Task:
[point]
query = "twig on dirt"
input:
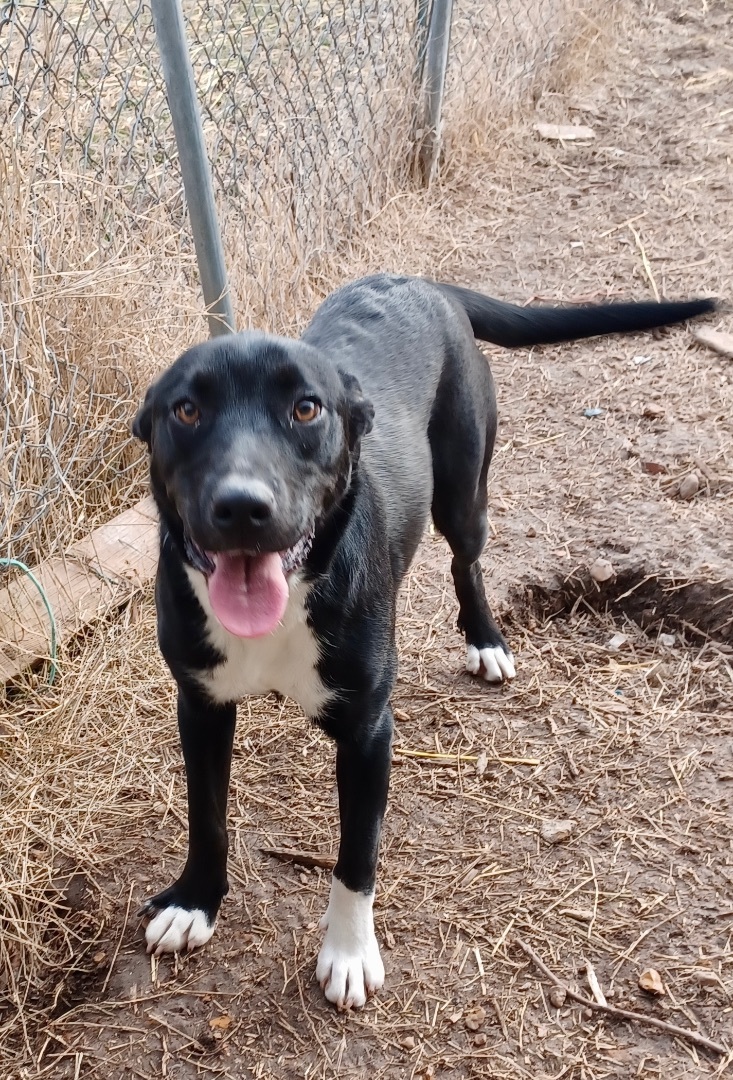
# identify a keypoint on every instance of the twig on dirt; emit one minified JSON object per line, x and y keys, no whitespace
{"x":703,"y":468}
{"x":500,"y":1017}
{"x":122,"y":1003}
{"x":453,"y":759}
{"x":595,"y":986}
{"x":622,"y":225}
{"x":480,"y":966}
{"x":624,"y":1014}
{"x":626,"y":955}
{"x":119,"y":940}
{"x":645,"y":262}
{"x":574,"y":770}
{"x":301,"y":858}
{"x":191,"y":1040}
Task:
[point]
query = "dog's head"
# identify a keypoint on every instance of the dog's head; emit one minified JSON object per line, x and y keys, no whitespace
{"x":252,"y":442}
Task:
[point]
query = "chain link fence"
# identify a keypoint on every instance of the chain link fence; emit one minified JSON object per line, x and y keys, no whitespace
{"x":312,"y":118}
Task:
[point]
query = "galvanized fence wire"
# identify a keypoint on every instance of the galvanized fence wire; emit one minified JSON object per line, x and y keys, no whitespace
{"x":299,"y":104}
{"x":508,"y":52}
{"x":311,"y":114}
{"x":287,"y":91}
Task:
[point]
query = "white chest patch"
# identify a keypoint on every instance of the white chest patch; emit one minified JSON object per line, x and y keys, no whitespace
{"x":285,"y":661}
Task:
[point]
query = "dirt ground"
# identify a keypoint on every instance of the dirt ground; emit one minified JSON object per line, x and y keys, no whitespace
{"x":620,"y":719}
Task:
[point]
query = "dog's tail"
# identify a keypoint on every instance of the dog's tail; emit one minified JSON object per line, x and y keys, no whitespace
{"x":512,"y":326}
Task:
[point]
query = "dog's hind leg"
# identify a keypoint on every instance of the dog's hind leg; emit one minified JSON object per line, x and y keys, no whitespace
{"x":487,"y":653}
{"x":462,"y":434}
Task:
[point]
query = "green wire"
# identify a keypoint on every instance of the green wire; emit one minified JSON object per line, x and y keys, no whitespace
{"x":16,"y":564}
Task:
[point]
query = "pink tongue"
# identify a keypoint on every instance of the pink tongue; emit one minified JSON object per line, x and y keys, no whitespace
{"x":248,"y":593}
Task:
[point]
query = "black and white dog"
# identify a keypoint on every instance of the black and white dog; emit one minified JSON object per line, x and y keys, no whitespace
{"x":294,"y":481}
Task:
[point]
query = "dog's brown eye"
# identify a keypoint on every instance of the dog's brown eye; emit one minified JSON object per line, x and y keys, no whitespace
{"x":187,"y":413}
{"x":306,"y":410}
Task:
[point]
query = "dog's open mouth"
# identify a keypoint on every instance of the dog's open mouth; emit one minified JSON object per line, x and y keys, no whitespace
{"x":249,"y":591}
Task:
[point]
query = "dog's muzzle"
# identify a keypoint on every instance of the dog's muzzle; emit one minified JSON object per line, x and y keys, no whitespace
{"x":292,"y":558}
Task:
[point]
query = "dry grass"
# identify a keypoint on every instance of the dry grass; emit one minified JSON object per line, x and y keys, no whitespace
{"x":546,"y":49}
{"x":635,"y":746}
{"x":99,"y":281}
{"x":81,"y":336}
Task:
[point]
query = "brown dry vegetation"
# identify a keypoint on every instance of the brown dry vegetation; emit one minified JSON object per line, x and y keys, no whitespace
{"x":634,"y":744}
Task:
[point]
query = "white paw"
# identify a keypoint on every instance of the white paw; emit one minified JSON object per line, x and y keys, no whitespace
{"x":493,"y":664}
{"x":349,"y":966}
{"x":176,"y":929}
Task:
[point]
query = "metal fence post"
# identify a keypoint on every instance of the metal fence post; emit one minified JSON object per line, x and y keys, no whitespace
{"x":436,"y":64}
{"x":181,"y":90}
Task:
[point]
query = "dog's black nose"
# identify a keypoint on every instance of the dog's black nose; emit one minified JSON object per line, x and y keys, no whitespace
{"x":243,"y":505}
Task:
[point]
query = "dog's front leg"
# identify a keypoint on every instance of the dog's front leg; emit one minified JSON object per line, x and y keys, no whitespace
{"x":183,"y":916}
{"x":349,"y":964}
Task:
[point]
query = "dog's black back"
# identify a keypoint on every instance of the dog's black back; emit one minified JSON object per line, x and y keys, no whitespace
{"x":386,"y":332}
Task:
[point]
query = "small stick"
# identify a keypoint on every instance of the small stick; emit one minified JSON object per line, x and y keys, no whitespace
{"x":623,"y":225}
{"x":119,"y":943}
{"x":500,"y":1017}
{"x":645,"y":262}
{"x":594,"y":984}
{"x":624,"y":1014}
{"x":452,"y":759}
{"x":301,"y":858}
{"x":191,"y":1040}
{"x":480,"y":965}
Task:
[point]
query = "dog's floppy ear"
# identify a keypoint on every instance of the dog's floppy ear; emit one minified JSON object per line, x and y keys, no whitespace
{"x":142,"y":425}
{"x":360,"y":409}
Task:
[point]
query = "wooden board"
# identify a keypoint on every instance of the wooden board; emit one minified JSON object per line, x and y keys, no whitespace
{"x":564,"y":132}
{"x":95,"y":576}
{"x":714,"y":339}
